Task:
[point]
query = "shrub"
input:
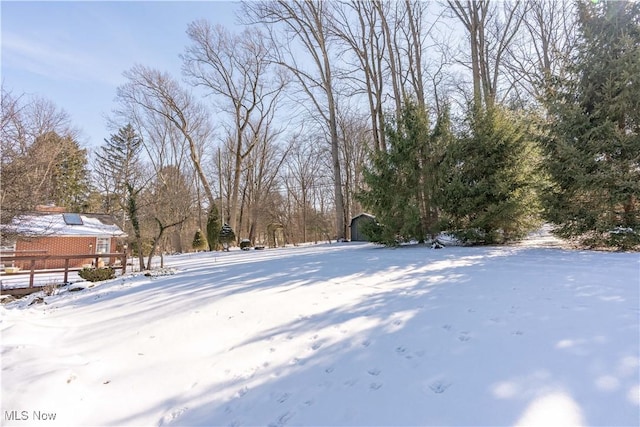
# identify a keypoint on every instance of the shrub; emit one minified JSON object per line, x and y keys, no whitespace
{"x":199,"y":241}
{"x":245,"y":244}
{"x":97,"y":274}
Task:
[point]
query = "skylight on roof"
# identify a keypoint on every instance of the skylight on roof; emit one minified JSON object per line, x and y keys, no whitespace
{"x":72,"y":219}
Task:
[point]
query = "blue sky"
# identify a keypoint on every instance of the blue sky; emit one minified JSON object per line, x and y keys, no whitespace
{"x":74,"y":53}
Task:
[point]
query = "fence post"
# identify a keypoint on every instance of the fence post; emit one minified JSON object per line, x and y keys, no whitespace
{"x":32,"y":273}
{"x":66,"y":270}
{"x":123,"y":261}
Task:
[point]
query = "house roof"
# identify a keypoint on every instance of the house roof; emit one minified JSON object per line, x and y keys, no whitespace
{"x":366,"y":215}
{"x":67,"y":225}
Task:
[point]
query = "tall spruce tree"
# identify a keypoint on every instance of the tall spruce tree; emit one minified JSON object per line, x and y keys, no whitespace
{"x":593,"y":147}
{"x":490,"y":194}
{"x":402,"y":183}
{"x":70,"y":176}
{"x":118,"y":166}
{"x":213,"y":227}
{"x":60,"y":166}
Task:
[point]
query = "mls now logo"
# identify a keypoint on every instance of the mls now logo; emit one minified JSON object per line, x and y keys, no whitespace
{"x":26,"y":415}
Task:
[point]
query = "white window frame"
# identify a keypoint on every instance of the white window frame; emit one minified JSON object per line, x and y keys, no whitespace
{"x":103,"y":245}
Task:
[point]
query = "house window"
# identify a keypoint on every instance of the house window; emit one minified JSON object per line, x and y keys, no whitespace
{"x":103,"y":245}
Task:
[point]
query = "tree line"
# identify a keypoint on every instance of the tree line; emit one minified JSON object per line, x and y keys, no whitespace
{"x":481,"y":118}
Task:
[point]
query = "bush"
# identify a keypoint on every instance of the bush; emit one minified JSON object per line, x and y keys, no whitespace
{"x":199,"y":242}
{"x":97,"y":274}
{"x":245,"y":244}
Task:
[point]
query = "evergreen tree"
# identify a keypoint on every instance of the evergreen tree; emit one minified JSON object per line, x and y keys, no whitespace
{"x":199,"y":242}
{"x":402,"y":183}
{"x":70,"y":176}
{"x":593,"y":146}
{"x":60,"y":166}
{"x":226,"y":235}
{"x":117,"y":167}
{"x":492,"y":175}
{"x":213,"y":227}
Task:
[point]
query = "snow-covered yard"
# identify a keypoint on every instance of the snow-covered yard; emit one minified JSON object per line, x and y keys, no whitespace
{"x":343,"y":334}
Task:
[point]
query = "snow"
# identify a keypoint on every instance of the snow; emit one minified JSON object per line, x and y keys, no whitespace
{"x":332,"y":335}
{"x":54,"y":224}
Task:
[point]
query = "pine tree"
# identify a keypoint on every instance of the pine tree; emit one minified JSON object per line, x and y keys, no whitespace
{"x":226,"y":235}
{"x":70,"y":177}
{"x":199,"y":242}
{"x":593,"y":147}
{"x":118,"y":167}
{"x":402,"y":183}
{"x":213,"y":227}
{"x":61,"y":167}
{"x":490,"y":192}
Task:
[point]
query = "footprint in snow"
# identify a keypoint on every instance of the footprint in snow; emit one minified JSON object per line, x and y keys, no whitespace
{"x":517,"y":333}
{"x":464,"y":336}
{"x":351,"y":382}
{"x":366,"y":343}
{"x":447,"y":327}
{"x":282,"y":420}
{"x":283,"y":397}
{"x":242,"y":392}
{"x":439,"y":387}
{"x":401,"y":350}
{"x":375,"y":372}
{"x":169,"y":418}
{"x":375,"y":386}
{"x":316,"y":345}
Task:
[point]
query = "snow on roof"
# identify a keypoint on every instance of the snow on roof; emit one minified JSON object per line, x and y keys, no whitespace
{"x":54,"y":224}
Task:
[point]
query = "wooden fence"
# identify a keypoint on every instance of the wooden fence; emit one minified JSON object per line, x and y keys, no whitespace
{"x":31,"y":260}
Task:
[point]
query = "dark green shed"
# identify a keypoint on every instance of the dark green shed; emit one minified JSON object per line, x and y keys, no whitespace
{"x":356,"y":224}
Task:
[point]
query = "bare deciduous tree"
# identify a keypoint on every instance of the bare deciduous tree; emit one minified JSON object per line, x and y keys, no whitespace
{"x":309,"y":23}
{"x":35,"y":135}
{"x":490,"y":29}
{"x":357,"y":24}
{"x":235,"y":69}
{"x":543,"y":50}
{"x":151,"y":96}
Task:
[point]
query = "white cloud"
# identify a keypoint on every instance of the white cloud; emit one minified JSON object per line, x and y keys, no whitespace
{"x":57,"y":60}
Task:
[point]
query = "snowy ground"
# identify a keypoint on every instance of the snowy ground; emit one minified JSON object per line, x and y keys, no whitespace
{"x":336,"y":335}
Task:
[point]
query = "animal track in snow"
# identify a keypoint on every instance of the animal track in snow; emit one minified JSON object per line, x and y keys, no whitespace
{"x":375,"y":386}
{"x":283,"y":397}
{"x":401,"y":350}
{"x":439,"y":387}
{"x":351,"y":382}
{"x":446,"y":327}
{"x":242,"y":391}
{"x":375,"y":372}
{"x":169,"y":418}
{"x":464,"y":336}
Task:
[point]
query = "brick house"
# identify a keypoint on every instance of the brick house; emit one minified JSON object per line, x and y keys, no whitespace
{"x":63,"y":233}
